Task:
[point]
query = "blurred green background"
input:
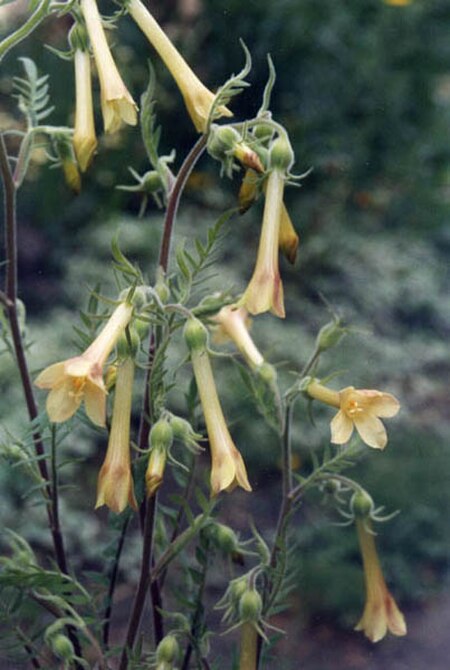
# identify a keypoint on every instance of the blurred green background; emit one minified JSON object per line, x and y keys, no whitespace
{"x":363,"y":88}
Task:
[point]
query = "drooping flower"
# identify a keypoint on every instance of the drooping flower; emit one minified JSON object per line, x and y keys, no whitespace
{"x":360,"y":409}
{"x":288,"y":239}
{"x":197,"y":98}
{"x":380,"y":612}
{"x":265,"y":290}
{"x":81,"y":377}
{"x":117,"y":104}
{"x":233,"y":323}
{"x":228,"y":468}
{"x":84,"y":138}
{"x":115,"y":482}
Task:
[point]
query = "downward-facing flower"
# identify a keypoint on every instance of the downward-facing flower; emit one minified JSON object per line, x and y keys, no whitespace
{"x":81,"y":378}
{"x":265,"y":290}
{"x":115,"y":482}
{"x":84,"y":138}
{"x":233,"y":323}
{"x":360,"y":409}
{"x":380,"y":612}
{"x":198,"y":99}
{"x":288,"y":239}
{"x":228,"y":468}
{"x":117,"y":104}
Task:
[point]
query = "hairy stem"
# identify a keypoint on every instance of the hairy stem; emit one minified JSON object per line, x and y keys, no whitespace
{"x":25,"y":29}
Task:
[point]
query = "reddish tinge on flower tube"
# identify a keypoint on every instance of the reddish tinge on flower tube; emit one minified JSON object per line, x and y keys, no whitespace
{"x":265,"y":291}
{"x":115,"y":483}
{"x":81,"y":377}
{"x":380,"y":612}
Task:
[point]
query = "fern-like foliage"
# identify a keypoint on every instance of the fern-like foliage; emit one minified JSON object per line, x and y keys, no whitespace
{"x":31,"y":92}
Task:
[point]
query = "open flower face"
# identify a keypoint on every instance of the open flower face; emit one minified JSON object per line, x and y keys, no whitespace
{"x":362,"y":409}
{"x":117,"y":104}
{"x":380,"y":612}
{"x":265,"y":290}
{"x":198,"y":99}
{"x":81,"y":378}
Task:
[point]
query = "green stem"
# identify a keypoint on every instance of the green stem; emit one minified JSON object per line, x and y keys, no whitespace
{"x":25,"y":29}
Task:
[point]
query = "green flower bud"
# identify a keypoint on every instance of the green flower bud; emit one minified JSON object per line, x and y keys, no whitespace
{"x":139,"y":298}
{"x":161,"y":435}
{"x":62,"y":647}
{"x":222,"y":141}
{"x":263,"y":132}
{"x":281,"y":154}
{"x":162,"y":290}
{"x":167,"y":650}
{"x":141,"y":328}
{"x":330,"y":335}
{"x":237,"y":589}
{"x":151,"y":182}
{"x":195,"y":335}
{"x":225,"y":538}
{"x":362,"y":504}
{"x":250,"y":606}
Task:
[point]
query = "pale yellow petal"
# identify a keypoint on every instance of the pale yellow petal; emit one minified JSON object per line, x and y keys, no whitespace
{"x":62,"y":402}
{"x":95,"y":403}
{"x":78,"y":367}
{"x":371,"y":430}
{"x":51,"y":376}
{"x":385,"y":405}
{"x":396,"y":620}
{"x":223,"y":474}
{"x":241,"y":472}
{"x":341,"y":428}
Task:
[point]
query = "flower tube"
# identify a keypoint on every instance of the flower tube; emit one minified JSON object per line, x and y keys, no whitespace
{"x":233,"y":323}
{"x":116,"y":101}
{"x":81,"y":377}
{"x":360,"y":409}
{"x":84,"y":138}
{"x":380,"y":612}
{"x":228,"y":468}
{"x":115,"y":483}
{"x":198,"y":99}
{"x":265,"y":290}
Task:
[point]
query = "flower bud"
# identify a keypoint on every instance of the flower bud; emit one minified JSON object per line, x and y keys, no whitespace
{"x":195,"y":335}
{"x":362,"y":504}
{"x":222,"y":141}
{"x":330,"y":335}
{"x":225,"y":538}
{"x":281,"y":154}
{"x":250,"y":606}
{"x":263,"y":132}
{"x":162,"y":290}
{"x":167,"y":650}
{"x":155,"y":471}
{"x":161,"y":435}
{"x":152,"y":182}
{"x":62,"y":647}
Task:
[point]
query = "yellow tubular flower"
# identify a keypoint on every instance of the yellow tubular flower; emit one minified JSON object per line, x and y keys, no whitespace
{"x":234,"y":324}
{"x":155,"y":471}
{"x":228,"y":468}
{"x":265,"y":290}
{"x":380,"y":612}
{"x":360,"y":409}
{"x":197,"y":98}
{"x":116,"y":101}
{"x":115,"y":483}
{"x":81,"y":378}
{"x":84,"y":138}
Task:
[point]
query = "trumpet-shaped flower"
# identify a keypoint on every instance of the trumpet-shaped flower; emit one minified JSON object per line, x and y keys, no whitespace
{"x":265,"y":290}
{"x":84,"y":138}
{"x":115,"y":483}
{"x":380,"y":612}
{"x":81,"y":378}
{"x":288,"y":239}
{"x":198,"y":99}
{"x":116,"y":101}
{"x":233,"y":323}
{"x":228,"y":468}
{"x":360,"y":409}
